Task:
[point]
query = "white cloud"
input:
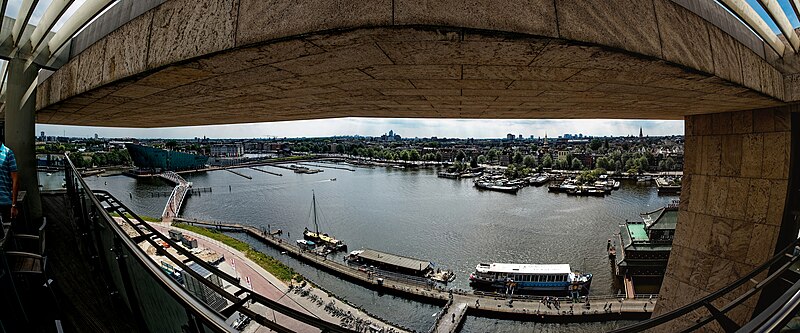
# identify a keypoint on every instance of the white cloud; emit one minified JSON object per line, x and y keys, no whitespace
{"x":462,"y":128}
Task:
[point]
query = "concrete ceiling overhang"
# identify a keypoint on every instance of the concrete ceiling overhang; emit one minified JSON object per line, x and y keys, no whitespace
{"x":140,"y":77}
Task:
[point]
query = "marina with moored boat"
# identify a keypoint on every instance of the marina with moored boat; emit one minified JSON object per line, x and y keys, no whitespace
{"x":322,"y":243}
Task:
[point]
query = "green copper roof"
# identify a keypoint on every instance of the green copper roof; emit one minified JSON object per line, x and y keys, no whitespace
{"x":637,"y":232}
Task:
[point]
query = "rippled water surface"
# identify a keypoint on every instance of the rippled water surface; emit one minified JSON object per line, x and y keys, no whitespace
{"x":412,"y":213}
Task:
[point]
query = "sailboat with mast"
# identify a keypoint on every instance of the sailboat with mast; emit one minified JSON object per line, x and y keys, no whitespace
{"x":322,"y":238}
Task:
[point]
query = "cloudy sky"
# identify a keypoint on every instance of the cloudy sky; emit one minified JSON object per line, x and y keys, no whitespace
{"x":462,"y":128}
{"x":377,"y":126}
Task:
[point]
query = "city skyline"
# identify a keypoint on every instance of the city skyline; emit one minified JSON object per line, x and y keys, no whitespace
{"x":405,"y":127}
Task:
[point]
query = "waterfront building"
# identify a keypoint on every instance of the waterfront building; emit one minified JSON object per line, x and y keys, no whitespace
{"x":150,"y":158}
{"x":227,"y":150}
{"x":646,"y":244}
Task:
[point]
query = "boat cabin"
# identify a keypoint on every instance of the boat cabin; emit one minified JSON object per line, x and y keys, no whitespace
{"x":392,"y":262}
{"x":524,"y":272}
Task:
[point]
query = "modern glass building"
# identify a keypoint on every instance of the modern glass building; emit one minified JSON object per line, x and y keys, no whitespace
{"x":145,"y":157}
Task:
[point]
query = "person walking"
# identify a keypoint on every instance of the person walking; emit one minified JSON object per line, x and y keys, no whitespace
{"x":9,"y":186}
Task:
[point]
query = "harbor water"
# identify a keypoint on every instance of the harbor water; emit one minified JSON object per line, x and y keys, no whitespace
{"x":412,"y":213}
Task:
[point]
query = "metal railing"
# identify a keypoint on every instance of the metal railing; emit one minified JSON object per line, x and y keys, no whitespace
{"x":156,"y":300}
{"x":778,"y":265}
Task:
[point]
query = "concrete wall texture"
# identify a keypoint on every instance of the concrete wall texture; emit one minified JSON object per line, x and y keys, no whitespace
{"x":732,"y":203}
{"x":252,"y":60}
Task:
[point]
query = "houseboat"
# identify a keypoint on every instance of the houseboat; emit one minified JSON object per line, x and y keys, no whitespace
{"x":530,"y":278}
{"x":497,"y":186}
{"x":645,"y":245}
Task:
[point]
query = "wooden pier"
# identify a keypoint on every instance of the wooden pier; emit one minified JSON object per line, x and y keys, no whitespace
{"x":238,"y":174}
{"x":326,"y":166}
{"x":461,"y":303}
{"x":267,"y":172}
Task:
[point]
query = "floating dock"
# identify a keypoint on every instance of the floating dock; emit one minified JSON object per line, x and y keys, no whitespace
{"x":268,"y":172}
{"x":238,"y":174}
{"x":462,"y":303}
{"x":326,"y":166}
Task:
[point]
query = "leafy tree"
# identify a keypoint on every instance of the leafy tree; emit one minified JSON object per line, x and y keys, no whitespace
{"x":492,"y":155}
{"x":481,"y":159}
{"x":576,"y":164}
{"x":595,"y":144}
{"x":517,"y":158}
{"x":603,"y":162}
{"x":413,"y":155}
{"x":562,"y":163}
{"x":547,"y":162}
{"x":529,"y":161}
{"x":439,"y":157}
{"x":461,"y":156}
{"x":473,"y":162}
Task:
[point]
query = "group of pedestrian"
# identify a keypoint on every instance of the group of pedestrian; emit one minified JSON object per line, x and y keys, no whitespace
{"x":551,"y":302}
{"x":607,"y":307}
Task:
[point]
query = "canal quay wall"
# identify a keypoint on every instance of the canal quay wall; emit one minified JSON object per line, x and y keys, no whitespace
{"x":462,"y":304}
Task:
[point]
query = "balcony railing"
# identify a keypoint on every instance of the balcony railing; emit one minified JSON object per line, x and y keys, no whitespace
{"x":155,"y":299}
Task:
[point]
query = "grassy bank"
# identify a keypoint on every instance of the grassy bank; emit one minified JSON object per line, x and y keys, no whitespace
{"x":270,"y":264}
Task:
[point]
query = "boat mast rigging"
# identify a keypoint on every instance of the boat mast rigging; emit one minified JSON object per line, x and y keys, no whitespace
{"x":314,"y":205}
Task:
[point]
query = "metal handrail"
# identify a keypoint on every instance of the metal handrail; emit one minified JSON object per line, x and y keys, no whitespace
{"x":707,"y":300}
{"x":192,"y":305}
{"x":258,"y":298}
{"x":197,"y":307}
{"x":777,"y":313}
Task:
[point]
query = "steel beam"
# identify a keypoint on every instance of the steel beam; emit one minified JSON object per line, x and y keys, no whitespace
{"x":777,"y":14}
{"x":84,"y":14}
{"x":25,"y":12}
{"x":54,"y":12}
{"x":749,"y":16}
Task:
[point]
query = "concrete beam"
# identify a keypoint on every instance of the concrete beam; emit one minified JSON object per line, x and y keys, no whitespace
{"x":20,"y":121}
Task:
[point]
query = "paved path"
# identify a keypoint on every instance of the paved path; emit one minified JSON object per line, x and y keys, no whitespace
{"x":264,"y":283}
{"x":452,"y":316}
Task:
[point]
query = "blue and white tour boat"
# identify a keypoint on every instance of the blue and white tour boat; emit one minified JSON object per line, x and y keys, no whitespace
{"x":530,"y":278}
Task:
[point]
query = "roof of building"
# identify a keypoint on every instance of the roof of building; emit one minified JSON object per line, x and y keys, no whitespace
{"x":525,"y":268}
{"x":395,"y":260}
{"x":199,"y":269}
{"x":663,"y":218}
{"x":637,"y":232}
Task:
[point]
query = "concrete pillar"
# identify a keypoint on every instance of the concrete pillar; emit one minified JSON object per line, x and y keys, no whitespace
{"x":732,"y":208}
{"x":19,"y":129}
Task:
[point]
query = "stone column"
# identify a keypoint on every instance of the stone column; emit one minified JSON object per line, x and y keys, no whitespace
{"x":20,"y":126}
{"x":732,"y":205}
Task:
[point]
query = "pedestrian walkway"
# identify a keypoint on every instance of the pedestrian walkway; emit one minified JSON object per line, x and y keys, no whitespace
{"x":175,"y":201}
{"x":452,"y":316}
{"x":320,"y":305}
